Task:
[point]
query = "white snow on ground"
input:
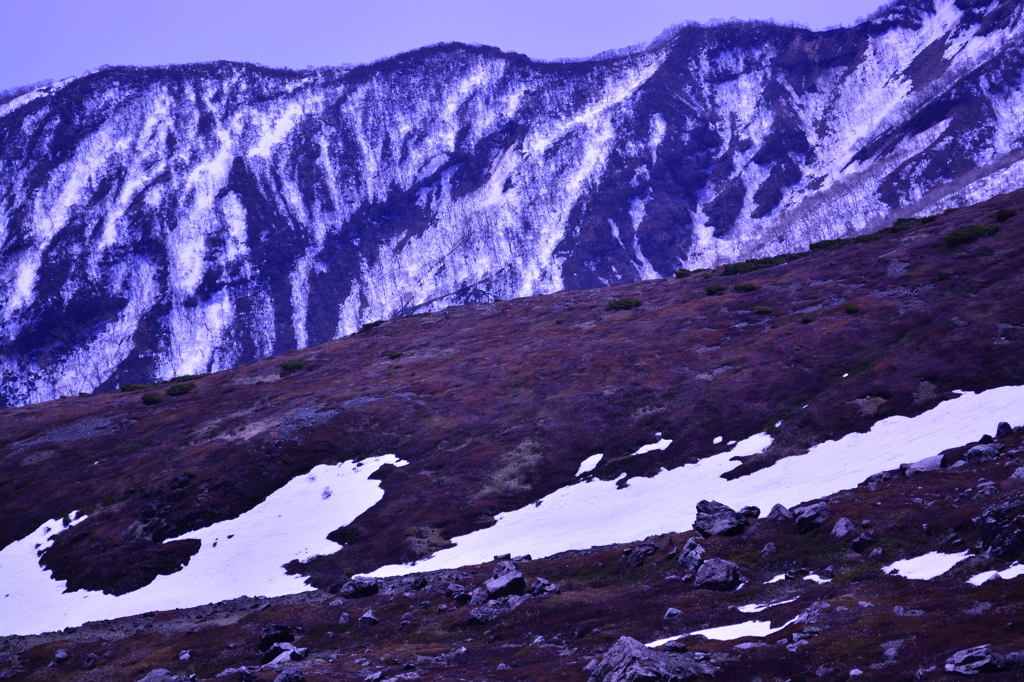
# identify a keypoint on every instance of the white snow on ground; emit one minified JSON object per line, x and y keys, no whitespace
{"x":814,"y":577}
{"x":596,"y":512}
{"x":926,"y":566}
{"x":239,"y":557}
{"x":1013,"y":571}
{"x":725,"y":633}
{"x":589,"y":464}
{"x":777,"y":579}
{"x":758,"y":608}
{"x":660,"y":445}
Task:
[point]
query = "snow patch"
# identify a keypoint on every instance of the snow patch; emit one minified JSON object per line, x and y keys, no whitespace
{"x":926,"y":566}
{"x":589,"y":464}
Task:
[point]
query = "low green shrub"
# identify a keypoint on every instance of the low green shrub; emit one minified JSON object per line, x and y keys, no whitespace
{"x":715,"y":289}
{"x":808,"y":318}
{"x":189,"y":377}
{"x":133,"y":387}
{"x":829,"y":244}
{"x":966,"y":235}
{"x":683,"y":272}
{"x":929,"y":219}
{"x":623,"y":304}
{"x":394,"y":356}
{"x":180,"y":389}
{"x":1004,"y":214}
{"x":870,"y":237}
{"x":902,"y":224}
{"x":942,"y":275}
{"x":948,"y":211}
{"x":851,"y":308}
{"x":745,"y":287}
{"x":760,"y":263}
{"x":152,"y":398}
{"x":370,"y":325}
{"x":762,"y":310}
{"x":294,"y":365}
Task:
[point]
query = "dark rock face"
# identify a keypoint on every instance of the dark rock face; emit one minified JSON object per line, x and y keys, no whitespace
{"x":1002,"y":527}
{"x":630,"y":661}
{"x":975,"y":660}
{"x":714,"y":518}
{"x":356,"y":589}
{"x":272,"y":634}
{"x":260,"y":210}
{"x":691,"y":556}
{"x":639,"y":554}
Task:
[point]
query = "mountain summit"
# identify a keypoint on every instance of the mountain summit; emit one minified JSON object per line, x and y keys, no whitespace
{"x":157,"y":222}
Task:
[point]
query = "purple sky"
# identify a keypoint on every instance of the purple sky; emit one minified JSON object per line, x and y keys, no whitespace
{"x":44,"y":39}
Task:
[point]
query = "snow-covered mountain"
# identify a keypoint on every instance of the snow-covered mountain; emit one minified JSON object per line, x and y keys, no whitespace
{"x":166,"y":221}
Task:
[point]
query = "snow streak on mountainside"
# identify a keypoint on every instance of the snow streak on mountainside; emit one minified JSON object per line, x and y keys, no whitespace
{"x":166,"y":221}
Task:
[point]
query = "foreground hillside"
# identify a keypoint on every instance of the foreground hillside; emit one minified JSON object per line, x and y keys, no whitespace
{"x":184,"y":219}
{"x":463,"y":416}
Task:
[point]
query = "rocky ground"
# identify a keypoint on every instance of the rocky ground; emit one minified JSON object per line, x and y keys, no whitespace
{"x":495,"y":405}
{"x":566,"y":617}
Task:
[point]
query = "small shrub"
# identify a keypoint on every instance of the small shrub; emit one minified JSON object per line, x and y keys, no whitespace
{"x":851,"y":308}
{"x":1004,"y":214}
{"x":942,"y":275}
{"x":762,"y":310}
{"x":929,"y":219}
{"x":760,"y":263}
{"x":180,"y":389}
{"x":394,"y":356}
{"x":715,"y":289}
{"x":966,"y":235}
{"x":948,"y":211}
{"x":808,"y":318}
{"x":683,"y":272}
{"x":294,"y":365}
{"x":409,"y":532}
{"x":623,"y":304}
{"x":708,"y":275}
{"x":133,"y":387}
{"x":745,"y":287}
{"x":829,"y":244}
{"x":152,"y":398}
{"x":189,"y":377}
{"x":370,"y":325}
{"x":902,"y":224}
{"x":349,"y":572}
{"x":864,"y":238}
{"x":107,"y":500}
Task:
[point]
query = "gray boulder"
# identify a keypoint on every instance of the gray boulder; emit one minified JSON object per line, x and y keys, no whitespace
{"x":1018,"y":473}
{"x":359,"y":588}
{"x":768,"y":550}
{"x":812,"y":516}
{"x":637,"y":555}
{"x":983,"y":452}
{"x":630,"y":661}
{"x":975,"y":660}
{"x":843,"y":527}
{"x":345,"y":618}
{"x":717,"y":574}
{"x":274,"y":633}
{"x":714,"y":518}
{"x":508,"y":583}
{"x":60,"y":656}
{"x":290,"y":675}
{"x":1003,"y":430}
{"x":672,"y":613}
{"x":862,"y":542}
{"x":927,"y":464}
{"x":368,"y":619}
{"x":283,"y":652}
{"x":161,"y":675}
{"x":494,"y":609}
{"x":691,"y":556}
{"x":780,"y":513}
{"x":543,"y":586}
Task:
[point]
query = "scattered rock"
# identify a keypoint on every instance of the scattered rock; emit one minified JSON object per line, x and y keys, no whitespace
{"x":975,"y":660}
{"x":368,"y":619}
{"x":274,"y":633}
{"x":717,"y":574}
{"x":927,"y":464}
{"x":714,"y":518}
{"x":1003,"y":430}
{"x":283,"y":652}
{"x":1018,"y":473}
{"x":508,"y":583}
{"x":862,"y":542}
{"x":495,"y":608}
{"x":345,"y":618}
{"x":635,"y":557}
{"x":1002,"y":527}
{"x":60,"y":656}
{"x":672,"y":613}
{"x":290,"y":675}
{"x":843,"y":527}
{"x":161,"y":675}
{"x":812,"y":516}
{"x":780,"y":513}
{"x":876,"y":554}
{"x":768,"y":550}
{"x":359,"y":588}
{"x":543,"y":586}
{"x":691,"y":556}
{"x":630,"y":661}
{"x":983,"y":452}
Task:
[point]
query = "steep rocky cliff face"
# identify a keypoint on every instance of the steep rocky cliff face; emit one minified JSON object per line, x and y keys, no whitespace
{"x":166,"y":221}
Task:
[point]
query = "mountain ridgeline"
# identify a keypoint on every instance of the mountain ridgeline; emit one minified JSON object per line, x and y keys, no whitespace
{"x":157,"y":222}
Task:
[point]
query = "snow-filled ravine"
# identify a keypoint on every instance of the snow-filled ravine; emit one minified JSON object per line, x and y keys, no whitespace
{"x":595,"y":512}
{"x":239,"y":557}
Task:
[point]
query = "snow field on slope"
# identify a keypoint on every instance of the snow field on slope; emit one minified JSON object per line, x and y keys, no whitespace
{"x":596,"y":512}
{"x":238,"y":557}
{"x":926,"y":566}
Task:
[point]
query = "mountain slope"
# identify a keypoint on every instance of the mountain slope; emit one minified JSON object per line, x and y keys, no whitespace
{"x":176,"y":220}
